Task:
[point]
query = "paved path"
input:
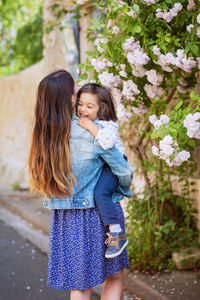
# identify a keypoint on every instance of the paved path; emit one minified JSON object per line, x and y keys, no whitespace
{"x":23,"y":270}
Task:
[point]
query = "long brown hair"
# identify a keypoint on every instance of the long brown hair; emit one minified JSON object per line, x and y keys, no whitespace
{"x":106,"y":106}
{"x":49,"y":158}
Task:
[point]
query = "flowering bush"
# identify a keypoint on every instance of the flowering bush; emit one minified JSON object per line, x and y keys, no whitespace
{"x":156,"y":46}
{"x":147,"y":53}
{"x":169,"y":132}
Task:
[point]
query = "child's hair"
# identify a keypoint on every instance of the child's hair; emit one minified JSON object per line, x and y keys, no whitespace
{"x":106,"y":106}
{"x":49,"y":158}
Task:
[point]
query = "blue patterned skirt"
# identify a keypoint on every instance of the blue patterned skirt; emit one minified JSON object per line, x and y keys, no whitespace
{"x":77,"y":249}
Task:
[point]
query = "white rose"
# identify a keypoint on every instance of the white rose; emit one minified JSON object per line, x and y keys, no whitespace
{"x":164,"y":119}
{"x":155,"y":150}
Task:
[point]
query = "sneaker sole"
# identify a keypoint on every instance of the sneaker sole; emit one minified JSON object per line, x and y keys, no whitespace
{"x":117,"y":253}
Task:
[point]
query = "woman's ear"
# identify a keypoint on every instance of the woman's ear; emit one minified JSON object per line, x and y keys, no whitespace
{"x":75,"y":93}
{"x":73,"y":100}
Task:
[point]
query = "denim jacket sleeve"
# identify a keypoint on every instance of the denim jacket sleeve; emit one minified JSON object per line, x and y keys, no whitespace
{"x":119,"y":166}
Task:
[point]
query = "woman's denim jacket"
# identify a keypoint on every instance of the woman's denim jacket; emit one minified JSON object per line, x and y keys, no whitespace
{"x":87,"y":159}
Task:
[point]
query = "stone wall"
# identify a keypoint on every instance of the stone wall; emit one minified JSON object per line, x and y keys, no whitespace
{"x":17,"y":97}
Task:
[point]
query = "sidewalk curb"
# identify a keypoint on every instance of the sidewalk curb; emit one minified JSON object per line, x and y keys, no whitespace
{"x":140,"y":288}
{"x":34,"y":215}
{"x":41,"y":223}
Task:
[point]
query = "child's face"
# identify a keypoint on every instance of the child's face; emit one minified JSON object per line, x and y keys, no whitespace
{"x":88,"y":106}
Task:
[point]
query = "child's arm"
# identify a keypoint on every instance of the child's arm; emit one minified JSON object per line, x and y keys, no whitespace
{"x":89,"y":125}
{"x":106,"y":136}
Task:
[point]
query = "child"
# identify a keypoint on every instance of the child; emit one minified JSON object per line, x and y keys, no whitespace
{"x":94,"y":103}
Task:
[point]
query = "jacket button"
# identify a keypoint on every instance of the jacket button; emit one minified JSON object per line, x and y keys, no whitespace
{"x":84,"y":203}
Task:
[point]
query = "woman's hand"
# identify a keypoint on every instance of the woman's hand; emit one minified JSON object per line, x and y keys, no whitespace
{"x":89,"y":125}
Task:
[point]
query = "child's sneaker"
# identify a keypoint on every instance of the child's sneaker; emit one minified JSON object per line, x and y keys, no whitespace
{"x":116,"y":241}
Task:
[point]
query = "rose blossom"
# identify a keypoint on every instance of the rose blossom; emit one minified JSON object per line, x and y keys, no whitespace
{"x":189,"y":27}
{"x":156,"y":50}
{"x":165,"y":150}
{"x":122,"y":113}
{"x":115,"y":29}
{"x":109,"y":79}
{"x":153,"y":92}
{"x":123,"y":73}
{"x":152,"y":119}
{"x":140,"y":110}
{"x":159,"y":13}
{"x":123,"y":66}
{"x":168,"y":15}
{"x":178,"y":6}
{"x":149,"y":2}
{"x":198,"y":32}
{"x":100,"y":49}
{"x":132,"y":14}
{"x":137,"y":57}
{"x":168,"y":139}
{"x":164,"y":119}
{"x":99,"y":41}
{"x":138,"y":71}
{"x":198,"y":18}
{"x":182,"y":81}
{"x":117,"y":96}
{"x":181,"y":89}
{"x":155,"y":150}
{"x":191,"y":5}
{"x":130,"y":89}
{"x":157,"y":124}
{"x":98,"y":65}
{"x":184,"y":155}
{"x":154,"y":77}
{"x":192,"y":125}
{"x":179,"y":158}
{"x":129,"y":44}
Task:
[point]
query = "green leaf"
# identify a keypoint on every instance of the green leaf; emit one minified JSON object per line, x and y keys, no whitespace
{"x":81,"y":65}
{"x":178,"y":105}
{"x":136,"y":7}
{"x":187,"y":47}
{"x":167,"y":39}
{"x":136,"y":28}
{"x":154,"y":135}
{"x":195,"y":49}
{"x":95,"y":21}
{"x":192,"y":95}
{"x":191,"y":143}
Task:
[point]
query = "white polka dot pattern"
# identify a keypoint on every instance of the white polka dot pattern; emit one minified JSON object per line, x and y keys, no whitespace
{"x":77,"y":250}
{"x":108,"y":136}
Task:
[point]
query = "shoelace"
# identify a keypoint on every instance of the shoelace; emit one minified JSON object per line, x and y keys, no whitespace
{"x":109,"y":239}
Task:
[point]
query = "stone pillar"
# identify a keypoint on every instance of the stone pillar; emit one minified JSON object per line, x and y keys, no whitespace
{"x":54,"y":51}
{"x":84,"y":22}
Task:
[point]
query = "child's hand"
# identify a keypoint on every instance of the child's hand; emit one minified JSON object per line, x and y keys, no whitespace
{"x":85,"y":123}
{"x":89,"y":125}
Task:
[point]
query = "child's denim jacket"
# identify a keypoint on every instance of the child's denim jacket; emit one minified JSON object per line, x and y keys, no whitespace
{"x":87,"y":159}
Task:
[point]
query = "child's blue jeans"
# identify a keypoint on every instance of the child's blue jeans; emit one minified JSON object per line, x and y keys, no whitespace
{"x":106,"y":186}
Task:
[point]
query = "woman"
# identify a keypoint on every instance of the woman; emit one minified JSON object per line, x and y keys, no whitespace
{"x":65,"y":163}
